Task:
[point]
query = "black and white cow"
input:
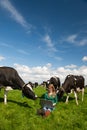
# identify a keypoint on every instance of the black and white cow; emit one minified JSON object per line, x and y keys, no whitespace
{"x":55,"y":81}
{"x":10,"y":79}
{"x":72,"y":83}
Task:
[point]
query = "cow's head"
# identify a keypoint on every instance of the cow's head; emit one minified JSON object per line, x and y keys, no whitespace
{"x":28,"y":92}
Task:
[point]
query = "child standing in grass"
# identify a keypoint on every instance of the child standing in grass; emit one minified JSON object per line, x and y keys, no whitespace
{"x":51,"y":96}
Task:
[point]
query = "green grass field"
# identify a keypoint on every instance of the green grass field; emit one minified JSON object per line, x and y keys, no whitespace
{"x":21,"y":113}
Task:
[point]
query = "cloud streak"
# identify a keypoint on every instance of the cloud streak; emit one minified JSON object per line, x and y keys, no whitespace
{"x":6,"y":4}
{"x":23,"y":52}
{"x":6,"y":45}
{"x":49,"y":43}
{"x":75,"y":39}
{"x":71,"y":38}
{"x":50,"y":47}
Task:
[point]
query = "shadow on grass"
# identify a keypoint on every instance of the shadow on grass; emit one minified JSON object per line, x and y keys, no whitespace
{"x":24,"y":104}
{"x":63,"y":99}
{"x":1,"y":100}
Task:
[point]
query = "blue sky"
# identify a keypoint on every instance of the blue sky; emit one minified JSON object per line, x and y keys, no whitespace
{"x":43,"y":38}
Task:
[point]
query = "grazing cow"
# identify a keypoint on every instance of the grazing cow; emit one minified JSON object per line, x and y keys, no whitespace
{"x":33,"y":85}
{"x":56,"y":82}
{"x":10,"y":79}
{"x":72,"y":82}
{"x":45,"y":84}
{"x":36,"y":84}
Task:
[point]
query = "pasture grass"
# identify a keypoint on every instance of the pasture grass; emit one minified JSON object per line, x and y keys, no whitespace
{"x":21,"y":113}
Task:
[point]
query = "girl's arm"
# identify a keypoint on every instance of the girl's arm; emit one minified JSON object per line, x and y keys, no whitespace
{"x":55,"y":100}
{"x":45,"y":96}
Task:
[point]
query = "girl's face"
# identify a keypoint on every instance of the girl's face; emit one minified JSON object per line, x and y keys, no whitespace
{"x":50,"y":89}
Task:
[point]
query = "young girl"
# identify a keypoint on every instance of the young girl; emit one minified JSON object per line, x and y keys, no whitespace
{"x":51,"y":96}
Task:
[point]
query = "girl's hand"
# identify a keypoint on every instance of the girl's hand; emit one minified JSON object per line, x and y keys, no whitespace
{"x":54,"y":104}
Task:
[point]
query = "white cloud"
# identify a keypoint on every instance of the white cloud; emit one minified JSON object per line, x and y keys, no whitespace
{"x":33,"y":74}
{"x":84,"y":58}
{"x":48,"y":65}
{"x":2,"y":58}
{"x":43,"y":73}
{"x":22,"y":68}
{"x":6,"y":4}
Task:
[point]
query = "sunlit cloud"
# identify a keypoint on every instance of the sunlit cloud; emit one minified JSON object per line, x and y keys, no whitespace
{"x":37,"y":73}
{"x":84,"y":58}
{"x":15,"y":14}
{"x":43,"y":73}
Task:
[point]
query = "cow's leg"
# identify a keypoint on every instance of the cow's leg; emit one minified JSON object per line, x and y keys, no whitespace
{"x":82,"y":93}
{"x":75,"y":94}
{"x":67,"y":98}
{"x":5,"y":96}
{"x":8,"y":88}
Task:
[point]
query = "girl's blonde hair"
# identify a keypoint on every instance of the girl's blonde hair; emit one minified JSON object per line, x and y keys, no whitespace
{"x":53,"y":89}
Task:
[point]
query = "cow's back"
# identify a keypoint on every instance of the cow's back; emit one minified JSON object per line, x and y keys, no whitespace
{"x":9,"y":77}
{"x":7,"y":73}
{"x":73,"y":82}
{"x":79,"y":81}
